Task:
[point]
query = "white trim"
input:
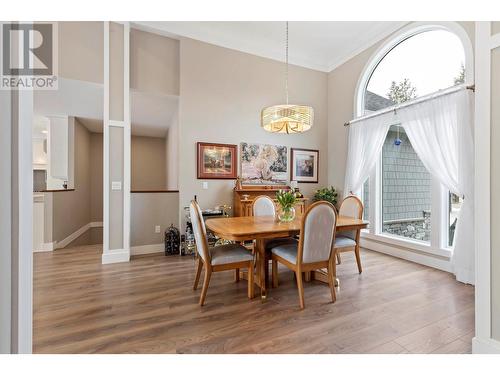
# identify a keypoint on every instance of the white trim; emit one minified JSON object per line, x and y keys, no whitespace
{"x":482,"y":223}
{"x":116,"y":123}
{"x":485,"y":346}
{"x":408,"y":31}
{"x":24,"y":271}
{"x":405,"y":252}
{"x":408,"y":243}
{"x":73,"y":236}
{"x":105,"y":180}
{"x":127,"y":137}
{"x":495,"y":41}
{"x":44,"y":247}
{"x":147,"y":249}
{"x":116,"y":256}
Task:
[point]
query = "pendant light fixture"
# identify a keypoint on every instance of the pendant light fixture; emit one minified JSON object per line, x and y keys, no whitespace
{"x":287,"y":118}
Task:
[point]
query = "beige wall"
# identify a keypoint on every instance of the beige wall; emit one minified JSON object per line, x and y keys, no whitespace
{"x":148,"y":163}
{"x":154,"y":63}
{"x":81,"y":51}
{"x":342,"y":83}
{"x":222,"y":92}
{"x":172,"y":154}
{"x":149,"y":210}
{"x":71,"y":209}
{"x":96,"y":176}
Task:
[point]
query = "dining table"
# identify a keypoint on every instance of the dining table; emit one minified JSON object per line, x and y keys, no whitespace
{"x":262,"y":228}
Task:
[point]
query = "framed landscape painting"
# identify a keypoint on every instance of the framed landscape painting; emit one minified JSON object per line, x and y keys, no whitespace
{"x":305,"y":164}
{"x":217,"y":161}
{"x":263,"y":164}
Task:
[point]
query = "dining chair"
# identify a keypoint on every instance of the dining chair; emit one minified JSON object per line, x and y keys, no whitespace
{"x":351,"y":206}
{"x":314,"y":250}
{"x":263,"y":205}
{"x":218,"y":258}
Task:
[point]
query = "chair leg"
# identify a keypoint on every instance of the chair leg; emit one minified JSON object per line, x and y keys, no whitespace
{"x":275,"y":273}
{"x":198,"y":274}
{"x":250,"y":280}
{"x":300,"y":287}
{"x":206,"y":281}
{"x":358,"y":258}
{"x":338,"y":258}
{"x":331,"y":281}
{"x":237,"y":275}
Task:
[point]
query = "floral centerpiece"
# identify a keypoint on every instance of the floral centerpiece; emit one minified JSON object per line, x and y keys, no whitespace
{"x":286,"y":201}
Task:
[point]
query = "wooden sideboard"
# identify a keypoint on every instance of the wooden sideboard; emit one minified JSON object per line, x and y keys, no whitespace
{"x":243,"y":199}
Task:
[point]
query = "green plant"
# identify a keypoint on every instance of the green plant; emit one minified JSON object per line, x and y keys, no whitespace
{"x":286,"y":199}
{"x":328,"y":194}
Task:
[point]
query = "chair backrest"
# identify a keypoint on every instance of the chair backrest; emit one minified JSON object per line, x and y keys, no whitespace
{"x":263,"y":206}
{"x":199,"y":230}
{"x":351,"y":206}
{"x":317,"y":233}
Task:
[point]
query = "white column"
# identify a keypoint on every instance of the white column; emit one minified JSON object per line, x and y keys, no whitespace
{"x":16,"y":198}
{"x":116,"y":215}
{"x":483,"y":341}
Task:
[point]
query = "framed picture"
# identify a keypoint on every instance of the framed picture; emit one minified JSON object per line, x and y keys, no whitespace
{"x":263,"y":164}
{"x":217,"y":161}
{"x":305,"y":164}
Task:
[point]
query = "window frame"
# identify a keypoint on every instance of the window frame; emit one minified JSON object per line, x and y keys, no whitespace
{"x":438,"y":244}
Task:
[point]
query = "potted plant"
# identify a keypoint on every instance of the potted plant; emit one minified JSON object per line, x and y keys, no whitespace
{"x":328,"y":194}
{"x":286,"y":200}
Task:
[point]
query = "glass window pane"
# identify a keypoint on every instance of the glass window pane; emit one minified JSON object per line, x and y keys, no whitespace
{"x":420,"y":65}
{"x":454,"y":206}
{"x":406,"y":189}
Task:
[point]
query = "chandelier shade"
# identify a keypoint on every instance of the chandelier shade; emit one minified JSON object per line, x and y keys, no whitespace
{"x":287,"y":118}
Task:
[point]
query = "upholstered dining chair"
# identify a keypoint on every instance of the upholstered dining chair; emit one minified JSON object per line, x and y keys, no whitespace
{"x":314,"y":250}
{"x":219,"y":258}
{"x":351,"y":206}
{"x":263,"y":205}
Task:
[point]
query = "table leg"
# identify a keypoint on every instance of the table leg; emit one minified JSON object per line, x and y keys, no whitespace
{"x":261,"y":264}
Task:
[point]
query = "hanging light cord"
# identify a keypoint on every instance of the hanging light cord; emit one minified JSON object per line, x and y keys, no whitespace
{"x":286,"y":72}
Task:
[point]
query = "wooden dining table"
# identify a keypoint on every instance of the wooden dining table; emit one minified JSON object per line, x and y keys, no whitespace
{"x":262,"y":228}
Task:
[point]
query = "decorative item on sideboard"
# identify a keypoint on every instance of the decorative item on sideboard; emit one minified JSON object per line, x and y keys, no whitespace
{"x":328,"y":194}
{"x":172,"y":240}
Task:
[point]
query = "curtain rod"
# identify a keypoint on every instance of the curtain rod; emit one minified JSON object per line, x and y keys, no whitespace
{"x":412,"y":102}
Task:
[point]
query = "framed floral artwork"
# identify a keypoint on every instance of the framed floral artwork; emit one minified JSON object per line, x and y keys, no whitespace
{"x":305,"y":165}
{"x":263,"y":164}
{"x":217,"y":161}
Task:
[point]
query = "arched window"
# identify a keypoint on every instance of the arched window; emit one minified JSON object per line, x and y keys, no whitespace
{"x":421,"y":60}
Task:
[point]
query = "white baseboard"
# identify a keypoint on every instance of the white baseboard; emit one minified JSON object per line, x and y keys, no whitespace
{"x":115,"y":256}
{"x":147,"y":249}
{"x":73,"y":236}
{"x":441,"y":263}
{"x":485,"y":346}
{"x":48,"y":246}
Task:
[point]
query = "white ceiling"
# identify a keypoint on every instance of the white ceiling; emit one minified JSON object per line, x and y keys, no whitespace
{"x":151,"y":114}
{"x":316,"y":45}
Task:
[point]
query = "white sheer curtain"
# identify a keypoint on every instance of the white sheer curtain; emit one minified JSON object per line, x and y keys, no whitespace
{"x":365,"y":142}
{"x":440,"y":131}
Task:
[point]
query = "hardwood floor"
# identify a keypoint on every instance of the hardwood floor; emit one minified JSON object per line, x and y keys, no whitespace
{"x":148,"y":306}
